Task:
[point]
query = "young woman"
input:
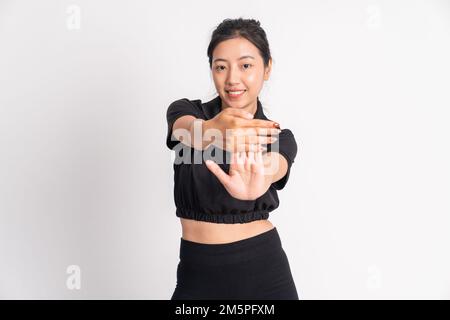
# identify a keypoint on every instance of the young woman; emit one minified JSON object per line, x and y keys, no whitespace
{"x":230,"y":162}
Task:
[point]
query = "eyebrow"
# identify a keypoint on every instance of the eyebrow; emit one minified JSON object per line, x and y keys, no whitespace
{"x":243,"y":57}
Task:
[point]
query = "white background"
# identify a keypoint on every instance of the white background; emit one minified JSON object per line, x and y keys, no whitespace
{"x":86,"y":178}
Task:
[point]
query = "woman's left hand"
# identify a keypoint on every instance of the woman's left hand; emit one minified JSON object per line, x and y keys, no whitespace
{"x":246,"y":178}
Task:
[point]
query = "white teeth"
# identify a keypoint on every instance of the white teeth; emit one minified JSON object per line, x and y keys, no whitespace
{"x":236,"y":92}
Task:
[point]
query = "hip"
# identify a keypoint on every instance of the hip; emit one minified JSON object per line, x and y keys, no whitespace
{"x":253,"y":268}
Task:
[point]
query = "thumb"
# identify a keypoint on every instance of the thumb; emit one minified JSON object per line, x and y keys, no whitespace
{"x":218,"y":172}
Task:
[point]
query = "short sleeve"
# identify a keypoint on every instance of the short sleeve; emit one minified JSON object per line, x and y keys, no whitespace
{"x":287,"y":147}
{"x":175,"y":110}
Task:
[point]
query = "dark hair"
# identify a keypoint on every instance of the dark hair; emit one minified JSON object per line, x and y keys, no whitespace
{"x":249,"y":29}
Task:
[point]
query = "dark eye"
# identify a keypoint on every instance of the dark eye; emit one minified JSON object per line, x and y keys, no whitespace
{"x":217,"y":68}
{"x":247,"y":64}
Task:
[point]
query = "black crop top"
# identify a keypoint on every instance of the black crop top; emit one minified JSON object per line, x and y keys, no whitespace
{"x":198,"y":193}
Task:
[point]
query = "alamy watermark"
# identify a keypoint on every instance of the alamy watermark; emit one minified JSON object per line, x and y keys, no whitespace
{"x":73,"y":281}
{"x":185,"y":153}
{"x":73,"y":21}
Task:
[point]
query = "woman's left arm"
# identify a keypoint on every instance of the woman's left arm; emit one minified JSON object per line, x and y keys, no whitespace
{"x":275,"y":167}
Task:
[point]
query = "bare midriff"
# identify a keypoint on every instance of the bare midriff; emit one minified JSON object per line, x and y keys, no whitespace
{"x":216,"y":233}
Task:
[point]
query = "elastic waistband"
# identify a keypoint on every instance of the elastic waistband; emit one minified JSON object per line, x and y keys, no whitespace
{"x":261,"y":245}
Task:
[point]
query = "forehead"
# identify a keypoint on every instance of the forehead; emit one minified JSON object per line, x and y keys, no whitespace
{"x":233,"y":49}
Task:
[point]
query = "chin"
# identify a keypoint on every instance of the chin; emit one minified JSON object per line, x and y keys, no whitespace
{"x":237,"y":104}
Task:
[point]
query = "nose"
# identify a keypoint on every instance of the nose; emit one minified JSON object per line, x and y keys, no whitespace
{"x":233,"y":77}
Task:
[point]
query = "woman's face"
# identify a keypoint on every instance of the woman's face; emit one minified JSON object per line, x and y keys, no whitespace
{"x":238,"y":66}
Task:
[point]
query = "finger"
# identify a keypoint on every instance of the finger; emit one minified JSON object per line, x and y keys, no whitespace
{"x":218,"y":172}
{"x":246,"y":147}
{"x":259,"y":162}
{"x":250,"y":160}
{"x":241,"y":159}
{"x":268,"y":131}
{"x":233,"y":158}
{"x":251,"y":156}
{"x":252,"y":139}
{"x":236,"y":159}
{"x":253,"y":147}
{"x":257,"y":167}
{"x":260,"y":123}
{"x":260,"y":139}
{"x":254,"y":131}
{"x":259,"y":158}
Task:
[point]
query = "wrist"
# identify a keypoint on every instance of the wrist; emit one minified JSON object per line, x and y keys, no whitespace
{"x":207,"y":126}
{"x":196,"y":133}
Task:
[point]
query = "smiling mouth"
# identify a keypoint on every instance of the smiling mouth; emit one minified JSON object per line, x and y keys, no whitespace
{"x":236,"y":93}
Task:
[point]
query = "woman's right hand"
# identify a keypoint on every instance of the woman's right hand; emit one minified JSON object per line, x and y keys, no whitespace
{"x":240,"y":132}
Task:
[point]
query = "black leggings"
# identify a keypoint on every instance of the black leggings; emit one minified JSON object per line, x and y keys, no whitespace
{"x":255,"y":268}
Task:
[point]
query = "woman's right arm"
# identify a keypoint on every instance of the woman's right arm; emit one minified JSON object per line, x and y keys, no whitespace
{"x":187,"y":123}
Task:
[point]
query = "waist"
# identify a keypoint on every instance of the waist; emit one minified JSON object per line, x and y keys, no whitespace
{"x":230,"y":216}
{"x":263,"y":246}
{"x":216,"y":233}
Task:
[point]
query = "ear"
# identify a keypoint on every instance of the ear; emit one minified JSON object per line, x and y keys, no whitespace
{"x":267,"y":70}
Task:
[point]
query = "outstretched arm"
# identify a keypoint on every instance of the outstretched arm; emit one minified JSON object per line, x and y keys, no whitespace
{"x":232,"y":129}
